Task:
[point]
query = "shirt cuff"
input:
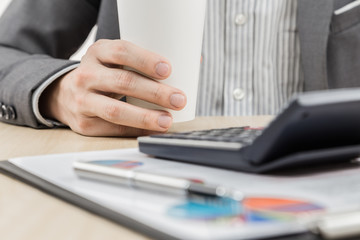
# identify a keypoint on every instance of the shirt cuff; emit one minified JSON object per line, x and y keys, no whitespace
{"x":36,"y":96}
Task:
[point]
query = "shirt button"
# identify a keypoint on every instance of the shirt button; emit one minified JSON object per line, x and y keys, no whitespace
{"x":238,"y":94}
{"x":240,"y":19}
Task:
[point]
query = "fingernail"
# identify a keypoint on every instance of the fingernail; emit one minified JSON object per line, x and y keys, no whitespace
{"x":164,"y":121}
{"x":177,"y":100}
{"x":162,"y":69}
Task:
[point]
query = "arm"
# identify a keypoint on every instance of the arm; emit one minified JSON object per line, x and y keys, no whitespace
{"x":36,"y":39}
{"x":85,"y":99}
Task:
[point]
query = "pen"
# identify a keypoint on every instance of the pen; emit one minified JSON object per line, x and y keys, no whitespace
{"x":153,"y":182}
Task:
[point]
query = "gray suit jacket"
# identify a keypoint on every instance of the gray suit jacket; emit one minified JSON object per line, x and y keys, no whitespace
{"x":38,"y":36}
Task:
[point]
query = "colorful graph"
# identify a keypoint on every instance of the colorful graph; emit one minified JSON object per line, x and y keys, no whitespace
{"x":118,"y":163}
{"x":207,"y":209}
{"x":250,"y":210}
{"x":274,"y":209}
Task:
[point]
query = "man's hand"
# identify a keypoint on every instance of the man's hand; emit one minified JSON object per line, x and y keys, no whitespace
{"x":87,"y":98}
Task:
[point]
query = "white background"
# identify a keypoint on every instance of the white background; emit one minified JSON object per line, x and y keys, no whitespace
{"x":3,"y":5}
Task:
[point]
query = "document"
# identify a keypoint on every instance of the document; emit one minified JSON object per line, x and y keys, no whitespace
{"x":276,"y":204}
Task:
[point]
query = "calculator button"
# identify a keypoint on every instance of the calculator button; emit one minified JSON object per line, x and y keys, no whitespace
{"x":243,"y":135}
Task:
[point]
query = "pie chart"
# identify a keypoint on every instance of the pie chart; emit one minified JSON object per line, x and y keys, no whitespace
{"x":250,"y":210}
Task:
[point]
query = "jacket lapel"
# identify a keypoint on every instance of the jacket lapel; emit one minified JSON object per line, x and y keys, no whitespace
{"x":313,"y":19}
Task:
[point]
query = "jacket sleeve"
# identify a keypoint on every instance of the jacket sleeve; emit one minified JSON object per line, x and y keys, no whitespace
{"x":37,"y":38}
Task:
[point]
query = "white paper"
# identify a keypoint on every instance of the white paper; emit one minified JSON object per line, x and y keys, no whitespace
{"x":334,"y":190}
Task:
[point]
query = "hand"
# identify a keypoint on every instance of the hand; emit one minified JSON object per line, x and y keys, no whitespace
{"x":87,"y":98}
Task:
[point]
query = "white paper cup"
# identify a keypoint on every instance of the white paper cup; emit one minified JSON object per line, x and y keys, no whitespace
{"x":173,"y":29}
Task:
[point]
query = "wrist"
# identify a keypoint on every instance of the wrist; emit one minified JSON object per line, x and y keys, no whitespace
{"x":47,"y":102}
{"x":41,"y":118}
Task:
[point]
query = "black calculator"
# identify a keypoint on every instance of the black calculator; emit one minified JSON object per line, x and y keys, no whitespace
{"x":315,"y":128}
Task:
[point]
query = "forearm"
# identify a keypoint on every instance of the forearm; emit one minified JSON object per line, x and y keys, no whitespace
{"x":20,"y":75}
{"x":40,"y":107}
{"x":35,"y":38}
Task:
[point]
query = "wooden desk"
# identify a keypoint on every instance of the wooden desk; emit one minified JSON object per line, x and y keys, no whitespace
{"x":26,"y":213}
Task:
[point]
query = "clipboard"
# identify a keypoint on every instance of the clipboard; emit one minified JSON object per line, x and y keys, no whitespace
{"x":27,"y":176}
{"x":21,"y":175}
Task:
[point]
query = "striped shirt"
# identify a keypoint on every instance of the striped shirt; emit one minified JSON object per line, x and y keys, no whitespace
{"x":251,"y":57}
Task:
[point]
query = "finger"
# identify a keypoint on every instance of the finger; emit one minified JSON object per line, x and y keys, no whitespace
{"x":120,"y":52}
{"x":135,"y":85}
{"x":121,"y":113}
{"x":93,"y":126}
